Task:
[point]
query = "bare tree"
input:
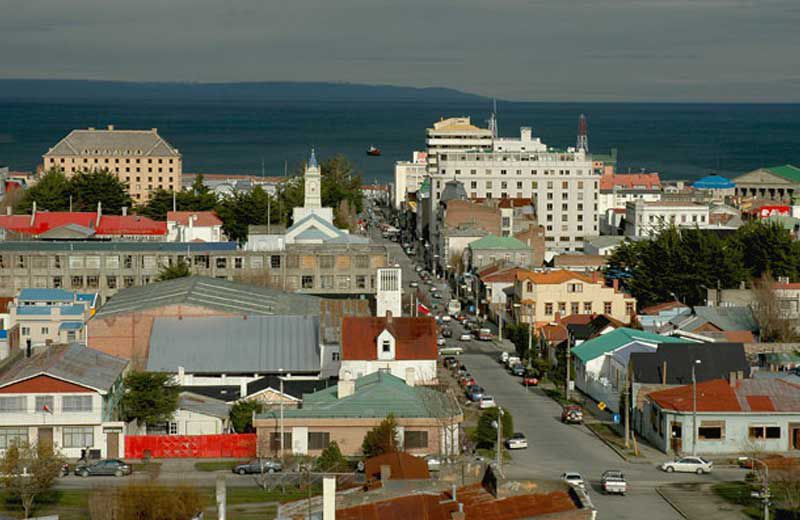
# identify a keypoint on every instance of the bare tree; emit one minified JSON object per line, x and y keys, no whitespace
{"x":786,"y":482}
{"x":29,"y":471}
{"x":773,"y":324}
{"x":146,"y":502}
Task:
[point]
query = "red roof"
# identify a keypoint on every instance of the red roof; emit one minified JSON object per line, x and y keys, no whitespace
{"x":403,"y":466}
{"x":45,"y":221}
{"x":478,"y":503}
{"x":203,"y":218}
{"x":746,"y":395}
{"x":659,"y":307}
{"x":415,"y":338}
{"x":508,"y":275}
{"x":629,"y":181}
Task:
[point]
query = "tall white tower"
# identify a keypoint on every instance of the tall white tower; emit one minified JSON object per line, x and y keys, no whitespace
{"x":313,"y":183}
{"x":389,"y":296}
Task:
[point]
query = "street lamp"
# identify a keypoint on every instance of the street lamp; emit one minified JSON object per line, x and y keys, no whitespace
{"x":764,"y":495}
{"x":498,"y":425}
{"x":694,"y":407}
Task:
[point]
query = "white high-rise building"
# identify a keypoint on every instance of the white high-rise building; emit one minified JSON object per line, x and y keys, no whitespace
{"x":389,"y":296}
{"x":454,"y":134}
{"x":408,"y":177}
{"x":561,"y":183}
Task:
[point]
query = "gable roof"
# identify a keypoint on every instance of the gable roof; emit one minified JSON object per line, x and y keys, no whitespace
{"x":46,"y":224}
{"x":73,"y":363}
{"x":787,"y":171}
{"x":222,"y":344}
{"x":213,"y":293}
{"x":133,"y":143}
{"x":553,"y":277}
{"x":717,"y":361}
{"x":746,"y":395}
{"x":616,"y":339}
{"x":725,"y":318}
{"x":291,"y":387}
{"x":375,"y":396}
{"x":201,"y":218}
{"x":495,"y":242}
{"x":630,"y":181}
{"x":502,"y":275}
{"x":658,"y":308}
{"x":415,"y":338}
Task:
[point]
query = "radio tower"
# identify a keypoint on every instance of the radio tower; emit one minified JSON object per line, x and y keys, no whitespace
{"x":583,"y":134}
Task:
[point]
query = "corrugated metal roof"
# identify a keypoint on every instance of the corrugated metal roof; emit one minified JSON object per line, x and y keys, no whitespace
{"x":74,"y":363}
{"x":203,"y":405}
{"x":415,"y":338}
{"x":202,"y":291}
{"x":219,"y":344}
{"x":617,"y":339}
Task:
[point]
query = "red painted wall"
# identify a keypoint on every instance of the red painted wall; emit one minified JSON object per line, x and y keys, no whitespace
{"x":44,"y":385}
{"x":234,"y":445}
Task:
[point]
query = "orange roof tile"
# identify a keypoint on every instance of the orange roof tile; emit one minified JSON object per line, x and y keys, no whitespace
{"x":415,"y":337}
{"x":647,"y":181}
{"x":553,"y":277}
{"x":204,"y":218}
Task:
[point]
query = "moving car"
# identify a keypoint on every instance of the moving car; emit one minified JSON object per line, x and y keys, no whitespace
{"x":107,"y":467}
{"x":474,"y":392}
{"x":465,"y":337}
{"x":572,"y":414}
{"x":485,"y":335}
{"x":255,"y":466}
{"x":517,"y":442}
{"x":613,"y":482}
{"x":697,"y":465}
{"x":512,"y":360}
{"x":447,"y":333}
{"x":518,"y":370}
{"x":573,"y":479}
{"x":487,"y":401}
{"x":446,"y":318}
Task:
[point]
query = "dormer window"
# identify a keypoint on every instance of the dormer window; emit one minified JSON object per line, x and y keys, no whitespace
{"x":386,"y":346}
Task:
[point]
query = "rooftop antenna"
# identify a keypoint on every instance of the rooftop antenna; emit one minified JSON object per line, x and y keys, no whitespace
{"x":583,"y":134}
{"x":493,"y":119}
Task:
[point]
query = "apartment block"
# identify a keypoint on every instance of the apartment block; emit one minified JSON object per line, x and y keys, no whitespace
{"x":647,"y":218}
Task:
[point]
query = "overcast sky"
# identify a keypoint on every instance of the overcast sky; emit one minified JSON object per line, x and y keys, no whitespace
{"x":694,"y":50}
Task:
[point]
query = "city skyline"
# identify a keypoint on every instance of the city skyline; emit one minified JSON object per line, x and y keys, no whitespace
{"x":612,"y":50}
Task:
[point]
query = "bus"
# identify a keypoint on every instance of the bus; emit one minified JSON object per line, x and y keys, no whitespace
{"x":454,"y":307}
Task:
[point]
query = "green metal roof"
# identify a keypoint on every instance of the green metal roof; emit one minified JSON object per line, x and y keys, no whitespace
{"x":787,"y":171}
{"x":611,"y":341}
{"x":495,"y":242}
{"x":376,"y":396}
{"x":785,"y":221}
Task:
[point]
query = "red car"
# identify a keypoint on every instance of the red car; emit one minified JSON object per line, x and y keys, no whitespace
{"x":530,"y":380}
{"x":572,"y":414}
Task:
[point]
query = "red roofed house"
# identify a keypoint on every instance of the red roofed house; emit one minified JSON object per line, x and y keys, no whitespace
{"x":404,"y":347}
{"x":194,"y":226}
{"x":617,"y":189}
{"x":734,"y":416}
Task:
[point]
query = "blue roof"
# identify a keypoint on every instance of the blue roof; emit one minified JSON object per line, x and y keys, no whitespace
{"x":713,"y":182}
{"x":72,"y":310}
{"x":71,"y":325}
{"x":35,"y":310}
{"x":86,"y":297}
{"x":46,"y":295}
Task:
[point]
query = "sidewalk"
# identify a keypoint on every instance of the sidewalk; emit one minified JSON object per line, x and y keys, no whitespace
{"x":697,"y":501}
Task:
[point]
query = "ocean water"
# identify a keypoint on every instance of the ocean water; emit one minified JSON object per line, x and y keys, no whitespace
{"x":682,"y":141}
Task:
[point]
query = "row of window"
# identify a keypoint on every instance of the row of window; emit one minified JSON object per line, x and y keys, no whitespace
{"x":519,"y":172}
{"x":588,"y":308}
{"x":71,"y":436}
{"x":320,"y":440}
{"x":62,"y":160}
{"x":45,"y":403}
{"x":684,"y":219}
{"x":568,"y":157}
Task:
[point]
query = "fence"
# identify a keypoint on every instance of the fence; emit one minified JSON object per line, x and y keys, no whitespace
{"x":238,"y":445}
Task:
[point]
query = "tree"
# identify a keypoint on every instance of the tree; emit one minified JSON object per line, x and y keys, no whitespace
{"x":767,"y":248}
{"x":92,"y":187}
{"x":785,"y":480}
{"x":29,"y":471}
{"x":331,"y":459}
{"x":179,"y":269}
{"x":146,"y":501}
{"x":486,"y":434}
{"x":239,"y":210}
{"x":150,"y":397}
{"x":241,"y":415}
{"x":773,"y":325}
{"x":382,"y":438}
{"x":50,"y":193}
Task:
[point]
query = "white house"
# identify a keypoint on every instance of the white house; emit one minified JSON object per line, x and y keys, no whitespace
{"x":644,"y":219}
{"x":66,"y":396}
{"x":404,"y":347}
{"x":194,"y":226}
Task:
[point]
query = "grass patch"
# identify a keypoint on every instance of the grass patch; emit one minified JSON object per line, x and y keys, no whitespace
{"x":68,"y":504}
{"x":227,"y":465}
{"x":738,"y":493}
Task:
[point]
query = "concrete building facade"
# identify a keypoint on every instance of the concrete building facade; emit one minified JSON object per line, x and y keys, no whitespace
{"x":408,"y":177}
{"x":643,"y":219}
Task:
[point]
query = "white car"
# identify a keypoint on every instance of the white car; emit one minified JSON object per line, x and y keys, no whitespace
{"x":447,"y":318}
{"x":465,"y":337}
{"x":487,"y":401}
{"x":697,"y":465}
{"x":414,"y":285}
{"x":517,"y":442}
{"x":573,"y":479}
{"x":441,"y":341}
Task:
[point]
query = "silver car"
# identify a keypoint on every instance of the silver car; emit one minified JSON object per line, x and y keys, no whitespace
{"x":697,"y":465}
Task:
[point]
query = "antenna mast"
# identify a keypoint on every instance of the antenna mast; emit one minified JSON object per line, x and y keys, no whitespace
{"x":493,"y":119}
{"x":583,"y":134}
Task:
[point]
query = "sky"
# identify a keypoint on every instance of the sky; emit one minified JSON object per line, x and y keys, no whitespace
{"x":534,"y":50}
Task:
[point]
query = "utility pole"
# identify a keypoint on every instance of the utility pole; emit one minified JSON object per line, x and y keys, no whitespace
{"x":627,"y":408}
{"x":500,"y":327}
{"x":499,"y":447}
{"x":281,"y":428}
{"x":694,"y":407}
{"x":530,"y":341}
{"x":567,"y":356}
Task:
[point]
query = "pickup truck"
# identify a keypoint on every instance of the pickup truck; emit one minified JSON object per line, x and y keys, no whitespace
{"x":613,"y":482}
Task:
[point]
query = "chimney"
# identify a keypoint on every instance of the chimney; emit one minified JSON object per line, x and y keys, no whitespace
{"x":663,"y":372}
{"x":411,"y":376}
{"x":557,"y":317}
{"x":33,"y":213}
{"x":124,"y":211}
{"x":732,"y":378}
{"x":388,"y":317}
{"x":99,"y":213}
{"x":615,"y":284}
{"x":111,"y":128}
{"x":595,"y":276}
{"x":329,"y":498}
{"x":346,"y":388}
{"x":386,"y":472}
{"x":458,"y":515}
{"x":453,"y":491}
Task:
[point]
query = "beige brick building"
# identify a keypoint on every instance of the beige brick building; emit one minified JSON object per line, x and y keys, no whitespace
{"x":140,"y":158}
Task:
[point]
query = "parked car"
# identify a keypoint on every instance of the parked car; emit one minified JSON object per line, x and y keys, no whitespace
{"x":255,"y":466}
{"x":446,"y":318}
{"x":447,"y":333}
{"x":573,"y":479}
{"x":465,"y":337}
{"x":517,"y":442}
{"x":485,"y":335}
{"x":697,"y":465}
{"x":572,"y":414}
{"x":530,"y":378}
{"x":487,"y":401}
{"x":451,"y":350}
{"x":418,"y":268}
{"x":434,"y":462}
{"x":466,"y":381}
{"x":503,"y":357}
{"x":414,"y":285}
{"x":518,"y":370}
{"x":449,"y":361}
{"x":512,"y":360}
{"x":613,"y":482}
{"x":474,"y":392}
{"x":107,"y":467}
{"x":441,"y":341}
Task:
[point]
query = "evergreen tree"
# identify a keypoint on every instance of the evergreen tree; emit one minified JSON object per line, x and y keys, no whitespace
{"x":50,"y":193}
{"x":382,"y":438}
{"x":331,"y":459}
{"x":767,"y":248}
{"x":486,"y":433}
{"x":149,"y":398}
{"x":241,"y":415}
{"x":89,"y":188}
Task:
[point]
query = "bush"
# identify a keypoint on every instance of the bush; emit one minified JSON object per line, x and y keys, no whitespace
{"x":146,"y":502}
{"x":331,"y":459}
{"x":486,"y":434}
{"x":381,"y":439}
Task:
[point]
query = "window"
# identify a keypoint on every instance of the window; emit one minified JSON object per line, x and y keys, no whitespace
{"x":529,"y":286}
{"x":629,"y":308}
{"x":76,"y":403}
{"x":238,"y":262}
{"x":587,"y":307}
{"x":765,"y":432}
{"x":415,"y":440}
{"x":574,"y":307}
{"x":275,"y":440}
{"x":574,"y":287}
{"x":562,"y":307}
{"x":45,"y":330}
{"x":335,"y":356}
{"x":25,"y":331}
{"x":275,"y":261}
{"x":711,"y":430}
{"x":128,"y":262}
{"x":326,"y":281}
{"x":77,"y":282}
{"x":548,"y":308}
{"x":361,"y":281}
{"x":57,"y":282}
{"x":78,"y":436}
{"x":386,"y":346}
{"x":10,"y":436}
{"x":13,"y":404}
{"x":307,"y":281}
{"x":111,"y":282}
{"x":362,"y":262}
{"x":92,"y":281}
{"x":318,"y":440}
{"x":44,"y":403}
{"x":606,"y":307}
{"x":221,"y":262}
{"x":127,"y":281}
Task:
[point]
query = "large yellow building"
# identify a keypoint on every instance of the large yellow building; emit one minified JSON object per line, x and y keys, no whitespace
{"x":541,"y":296}
{"x":140,"y":158}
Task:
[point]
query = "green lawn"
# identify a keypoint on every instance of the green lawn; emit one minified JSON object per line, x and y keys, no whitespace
{"x":739,"y":493}
{"x":217,"y":465}
{"x":69,"y":505}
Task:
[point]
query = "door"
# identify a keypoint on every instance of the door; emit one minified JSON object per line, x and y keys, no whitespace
{"x":796,"y":438}
{"x":112,"y":445}
{"x":676,"y":434}
{"x":45,"y":437}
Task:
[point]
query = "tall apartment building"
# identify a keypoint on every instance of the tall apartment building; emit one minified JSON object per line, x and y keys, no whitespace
{"x":563,"y":184}
{"x":454,"y":134}
{"x":140,"y":158}
{"x":408,"y":177}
